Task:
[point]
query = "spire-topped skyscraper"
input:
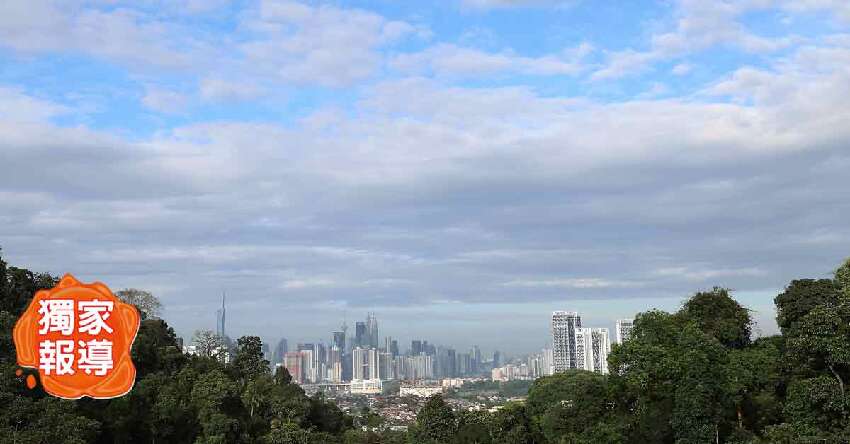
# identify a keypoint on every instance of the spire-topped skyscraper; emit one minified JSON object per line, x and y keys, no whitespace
{"x":220,"y":316}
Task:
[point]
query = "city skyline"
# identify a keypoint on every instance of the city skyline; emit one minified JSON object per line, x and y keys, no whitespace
{"x":514,"y":342}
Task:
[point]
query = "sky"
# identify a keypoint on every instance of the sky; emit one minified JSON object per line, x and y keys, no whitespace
{"x":461,"y":168}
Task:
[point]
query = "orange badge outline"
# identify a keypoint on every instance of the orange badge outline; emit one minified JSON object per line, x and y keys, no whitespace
{"x":125,"y":323}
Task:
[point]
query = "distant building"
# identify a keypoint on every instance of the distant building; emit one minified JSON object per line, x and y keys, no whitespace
{"x":475,"y":357}
{"x":358,"y":363}
{"x":592,"y":348}
{"x":279,"y":351}
{"x":564,"y":326}
{"x":420,"y":390}
{"x":372,"y":330}
{"x":361,"y":338}
{"x":365,"y":386}
{"x":292,"y":363}
{"x":548,"y":362}
{"x":220,"y":318}
{"x":339,"y":340}
{"x":601,"y":347}
{"x":624,"y":329}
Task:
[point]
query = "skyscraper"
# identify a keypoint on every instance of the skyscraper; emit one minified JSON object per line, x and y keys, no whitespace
{"x":372,"y":330}
{"x":359,"y":363}
{"x":292,"y":362}
{"x":220,"y":317}
{"x":279,"y":352}
{"x":361,"y":338}
{"x":564,"y":326}
{"x":583,"y":349}
{"x":339,"y":340}
{"x":624,"y":329}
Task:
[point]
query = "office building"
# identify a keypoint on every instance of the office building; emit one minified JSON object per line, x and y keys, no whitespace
{"x":292,"y":363}
{"x":372,"y":330}
{"x":361,"y":338}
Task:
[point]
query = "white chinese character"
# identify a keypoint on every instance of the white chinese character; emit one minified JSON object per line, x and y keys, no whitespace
{"x":56,"y":315}
{"x":95,"y":355}
{"x":56,"y":356}
{"x":93,"y":316}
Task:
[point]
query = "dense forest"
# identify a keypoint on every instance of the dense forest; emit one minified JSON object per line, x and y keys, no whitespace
{"x":694,"y":376}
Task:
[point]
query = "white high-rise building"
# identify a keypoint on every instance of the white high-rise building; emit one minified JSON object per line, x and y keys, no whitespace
{"x":584,"y":349}
{"x":592,"y":348}
{"x":564,"y":326}
{"x":359,"y":363}
{"x":374,"y":369}
{"x":624,"y":329}
{"x":548,"y":362}
{"x":601,"y":346}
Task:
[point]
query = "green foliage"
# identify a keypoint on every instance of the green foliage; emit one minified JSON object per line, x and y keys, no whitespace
{"x":249,"y":363}
{"x":565,"y":404}
{"x":510,"y":425}
{"x":718,"y":315}
{"x":435,"y":422}
{"x":472,"y":428}
{"x":842,"y":278}
{"x":800,"y":297}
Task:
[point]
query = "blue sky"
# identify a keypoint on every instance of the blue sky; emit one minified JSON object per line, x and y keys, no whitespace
{"x":444,"y":164}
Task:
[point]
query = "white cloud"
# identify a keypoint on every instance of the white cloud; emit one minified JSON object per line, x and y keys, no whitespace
{"x":164,"y":100}
{"x":15,"y":106}
{"x":119,"y":34}
{"x":706,"y":274}
{"x":321,"y":45}
{"x":699,"y":25}
{"x":682,"y":69}
{"x":220,"y":90}
{"x":490,"y":4}
{"x":582,"y":283}
{"x":452,"y":60}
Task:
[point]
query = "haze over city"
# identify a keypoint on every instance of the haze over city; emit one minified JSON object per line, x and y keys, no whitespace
{"x":461,"y":168}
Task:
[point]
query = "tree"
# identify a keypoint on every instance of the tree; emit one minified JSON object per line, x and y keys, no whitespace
{"x":249,"y":363}
{"x":800,"y":297}
{"x":670,"y":380}
{"x":155,"y":348}
{"x":511,"y":425}
{"x":718,"y":315}
{"x":472,"y":428}
{"x":148,"y":305}
{"x":820,"y":340}
{"x":842,"y":278}
{"x":435,"y":422}
{"x":754,"y":381}
{"x":209,"y":344}
{"x":216,"y":398}
{"x":565,"y":404}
